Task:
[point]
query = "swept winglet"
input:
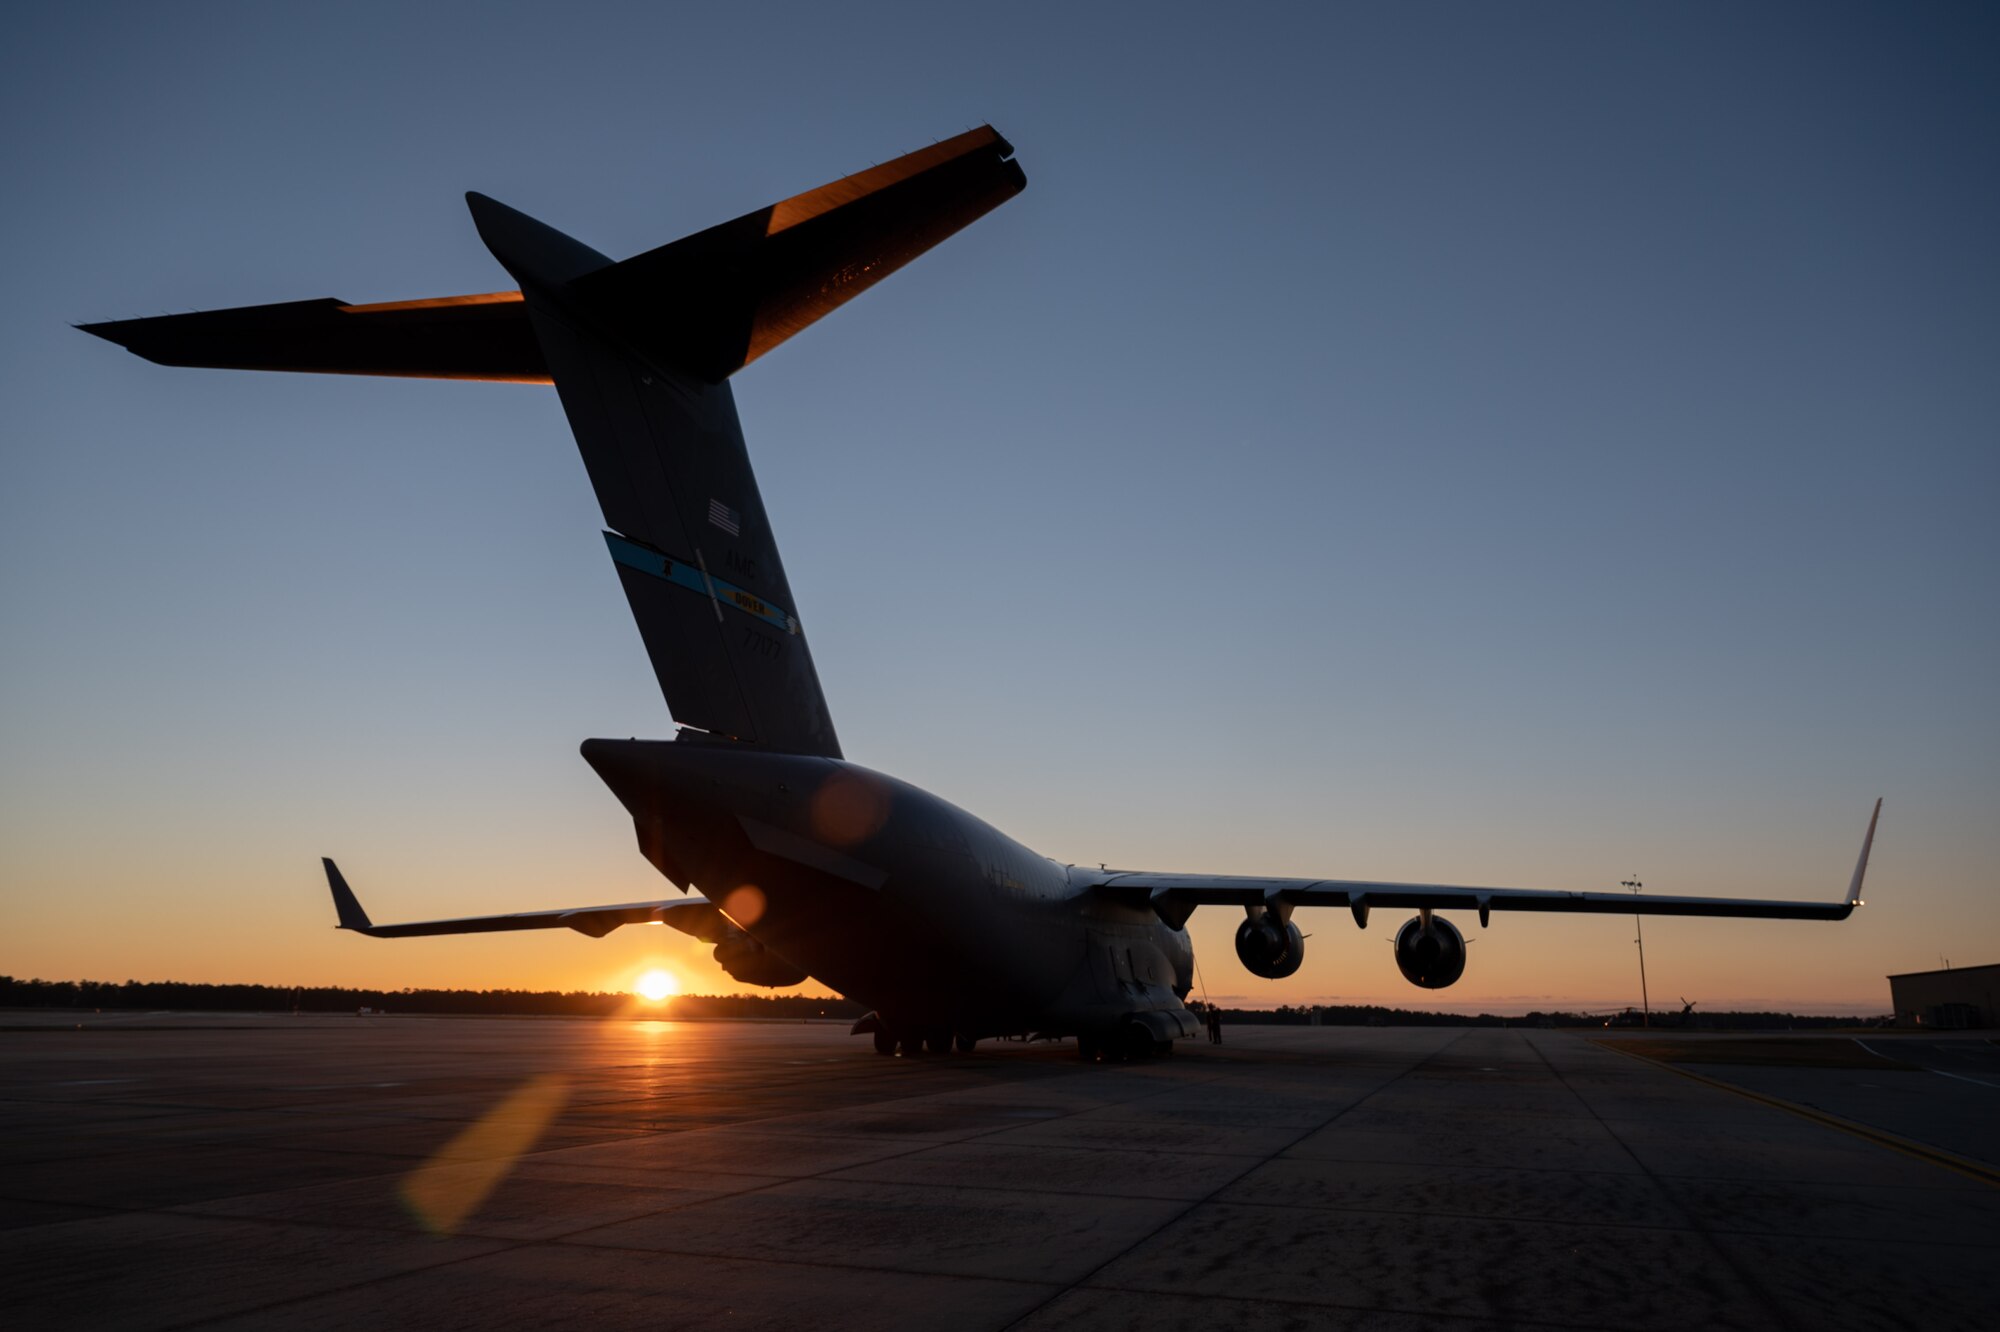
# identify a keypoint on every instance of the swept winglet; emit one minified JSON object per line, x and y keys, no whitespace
{"x":345,"y":904}
{"x":1861,"y":865}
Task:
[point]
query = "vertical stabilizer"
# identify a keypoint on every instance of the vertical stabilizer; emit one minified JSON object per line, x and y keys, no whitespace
{"x":689,"y":538}
{"x":641,"y":352}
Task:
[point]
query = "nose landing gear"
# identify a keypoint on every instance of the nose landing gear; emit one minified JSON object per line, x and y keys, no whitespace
{"x":1131,"y":1042}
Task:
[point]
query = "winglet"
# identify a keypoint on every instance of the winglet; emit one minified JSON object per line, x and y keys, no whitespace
{"x":352,"y":917}
{"x":1861,"y":865}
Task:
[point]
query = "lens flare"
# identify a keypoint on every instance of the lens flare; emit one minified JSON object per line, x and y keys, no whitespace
{"x":657,"y":985}
{"x":850,"y":806}
{"x":448,"y":1188}
{"x":744,"y":905}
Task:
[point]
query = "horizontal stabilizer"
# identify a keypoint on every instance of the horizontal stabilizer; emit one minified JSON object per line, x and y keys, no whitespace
{"x":484,"y":337}
{"x":640,"y":353}
{"x":713,"y":302}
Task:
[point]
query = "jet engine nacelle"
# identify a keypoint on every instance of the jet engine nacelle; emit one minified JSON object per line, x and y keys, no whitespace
{"x":750,"y":962}
{"x":1270,"y":947}
{"x":1430,"y":953}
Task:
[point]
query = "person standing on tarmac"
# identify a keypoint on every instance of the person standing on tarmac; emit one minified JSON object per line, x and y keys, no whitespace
{"x":1215,"y":1026}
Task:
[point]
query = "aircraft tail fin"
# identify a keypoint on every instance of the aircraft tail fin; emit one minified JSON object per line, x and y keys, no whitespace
{"x":641,"y":352}
{"x":734,"y":291}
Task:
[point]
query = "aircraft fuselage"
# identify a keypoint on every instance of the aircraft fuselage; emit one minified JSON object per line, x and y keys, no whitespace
{"x":892,"y":896}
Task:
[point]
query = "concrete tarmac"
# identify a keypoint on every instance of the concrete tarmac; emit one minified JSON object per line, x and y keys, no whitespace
{"x":169,"y":1171}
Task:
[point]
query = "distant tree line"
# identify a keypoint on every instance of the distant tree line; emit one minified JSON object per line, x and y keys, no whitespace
{"x":1375,"y":1015}
{"x":185,"y":995}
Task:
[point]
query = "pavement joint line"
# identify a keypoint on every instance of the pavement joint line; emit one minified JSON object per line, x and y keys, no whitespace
{"x":510,"y":1245}
{"x":827,"y":1174}
{"x":833,"y":1171}
{"x":1002,"y":1188}
{"x":1591,"y":1079}
{"x":195,"y":1212}
{"x":199,"y":1207}
{"x":1191,"y":1207}
{"x":1730,"y":1261}
{"x":254,"y":1310}
{"x":1610,"y":1174}
{"x":1515,"y":1218}
{"x":502,"y":1245}
{"x":1430,"y":1317}
{"x":543,"y":1158}
{"x":765,"y":1261}
{"x":1090,"y":1147}
{"x":1936,"y":1156}
{"x":1105,"y":1147}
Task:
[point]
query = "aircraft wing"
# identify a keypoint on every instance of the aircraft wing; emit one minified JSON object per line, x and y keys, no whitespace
{"x":690,"y":915}
{"x":1175,"y":896}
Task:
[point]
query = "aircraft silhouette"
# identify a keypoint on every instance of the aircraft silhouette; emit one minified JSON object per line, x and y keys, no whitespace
{"x":811,"y":865}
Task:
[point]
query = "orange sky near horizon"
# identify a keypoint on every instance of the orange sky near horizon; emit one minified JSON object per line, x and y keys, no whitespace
{"x":1528,"y":449}
{"x":285,"y":936}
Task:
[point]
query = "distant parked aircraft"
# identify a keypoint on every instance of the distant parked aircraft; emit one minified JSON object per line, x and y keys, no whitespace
{"x":811,"y":866}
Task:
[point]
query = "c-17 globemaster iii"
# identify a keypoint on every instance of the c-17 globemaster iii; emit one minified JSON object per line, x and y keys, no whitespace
{"x":811,"y":866}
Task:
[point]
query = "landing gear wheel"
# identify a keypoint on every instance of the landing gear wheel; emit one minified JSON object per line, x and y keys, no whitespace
{"x":964,"y":1044}
{"x":885,"y":1044}
{"x":937,"y":1045}
{"x":911,"y":1047}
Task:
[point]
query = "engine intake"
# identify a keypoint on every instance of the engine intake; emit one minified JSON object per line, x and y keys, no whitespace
{"x":750,"y":962}
{"x":1270,"y":947}
{"x":1430,"y":953}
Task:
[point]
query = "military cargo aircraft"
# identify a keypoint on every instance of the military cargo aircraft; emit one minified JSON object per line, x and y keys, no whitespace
{"x":811,"y":866}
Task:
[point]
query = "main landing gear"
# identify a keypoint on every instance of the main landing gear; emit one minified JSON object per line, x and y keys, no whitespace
{"x":889,"y":1042}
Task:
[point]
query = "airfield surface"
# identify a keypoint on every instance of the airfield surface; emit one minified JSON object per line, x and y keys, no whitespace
{"x":165,"y":1171}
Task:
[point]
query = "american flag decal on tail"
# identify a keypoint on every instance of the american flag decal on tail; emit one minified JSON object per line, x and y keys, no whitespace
{"x":722,"y":516}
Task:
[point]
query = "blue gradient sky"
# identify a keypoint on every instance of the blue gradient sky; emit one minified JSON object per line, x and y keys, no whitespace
{"x":1521,"y":445}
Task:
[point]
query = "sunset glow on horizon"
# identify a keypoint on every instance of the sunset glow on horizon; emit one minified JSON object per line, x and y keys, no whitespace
{"x":656,"y":985}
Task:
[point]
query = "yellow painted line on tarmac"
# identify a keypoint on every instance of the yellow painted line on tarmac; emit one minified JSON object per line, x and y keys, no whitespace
{"x":1937,"y":1156}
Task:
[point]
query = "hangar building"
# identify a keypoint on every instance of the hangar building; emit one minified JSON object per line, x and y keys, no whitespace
{"x":1950,"y":1000}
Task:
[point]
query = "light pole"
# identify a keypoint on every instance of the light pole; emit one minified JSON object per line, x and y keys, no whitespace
{"x":1646,"y":1004}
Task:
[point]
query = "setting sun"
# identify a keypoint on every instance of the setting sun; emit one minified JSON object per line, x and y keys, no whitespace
{"x":657,"y":985}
